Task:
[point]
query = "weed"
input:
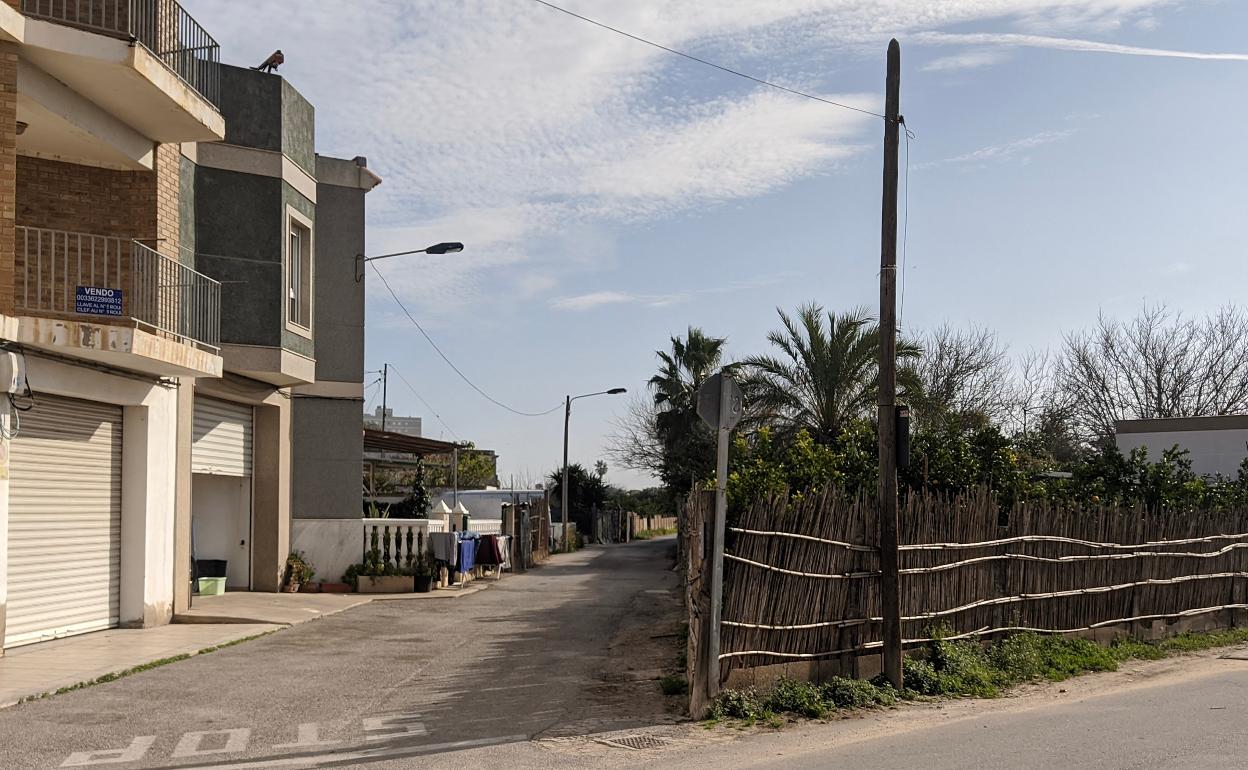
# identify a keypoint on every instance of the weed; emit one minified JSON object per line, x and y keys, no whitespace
{"x":736,"y":704}
{"x":673,"y":684}
{"x":794,"y":697}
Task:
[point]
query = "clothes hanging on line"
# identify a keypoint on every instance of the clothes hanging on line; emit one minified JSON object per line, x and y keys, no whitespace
{"x":445,"y":547}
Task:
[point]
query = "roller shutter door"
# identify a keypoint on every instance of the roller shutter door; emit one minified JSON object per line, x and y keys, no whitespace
{"x":64,"y":520}
{"x":222,"y":438}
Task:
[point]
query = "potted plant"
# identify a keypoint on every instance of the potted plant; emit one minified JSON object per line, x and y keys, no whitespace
{"x":375,"y":575}
{"x":298,"y":571}
{"x":422,"y":570}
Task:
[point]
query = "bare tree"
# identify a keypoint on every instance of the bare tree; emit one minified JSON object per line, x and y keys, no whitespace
{"x":965,"y":373}
{"x":1159,"y":364}
{"x":634,"y":442}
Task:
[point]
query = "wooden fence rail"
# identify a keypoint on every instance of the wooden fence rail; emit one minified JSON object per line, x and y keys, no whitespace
{"x":802,"y":580}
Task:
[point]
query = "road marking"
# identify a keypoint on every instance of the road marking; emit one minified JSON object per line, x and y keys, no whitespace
{"x":309,"y":736}
{"x":132,"y":753}
{"x":397,"y":726}
{"x":236,"y":741}
{"x":365,"y":754}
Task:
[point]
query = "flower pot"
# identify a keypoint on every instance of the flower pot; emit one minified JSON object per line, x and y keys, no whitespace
{"x":310,"y":588}
{"x":424,"y":583}
{"x":290,"y":588}
{"x":388,"y":584}
{"x":335,"y":588}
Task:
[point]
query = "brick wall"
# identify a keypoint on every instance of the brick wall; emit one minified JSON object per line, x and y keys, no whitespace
{"x":8,"y":171}
{"x":142,"y":205}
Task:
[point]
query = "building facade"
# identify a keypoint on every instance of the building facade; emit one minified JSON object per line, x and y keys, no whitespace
{"x":105,"y":324}
{"x":408,"y":426}
{"x":160,"y":224}
{"x":1216,"y":446}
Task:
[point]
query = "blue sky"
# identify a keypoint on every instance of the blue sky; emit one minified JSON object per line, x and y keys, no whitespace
{"x":1072,"y":157}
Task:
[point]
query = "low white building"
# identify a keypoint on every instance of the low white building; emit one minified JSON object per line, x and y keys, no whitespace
{"x":1216,"y":445}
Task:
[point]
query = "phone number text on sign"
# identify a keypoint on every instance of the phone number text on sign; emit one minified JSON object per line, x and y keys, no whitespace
{"x":97,"y":300}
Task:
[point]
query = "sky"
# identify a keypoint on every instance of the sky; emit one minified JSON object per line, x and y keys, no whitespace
{"x":1070,"y":158}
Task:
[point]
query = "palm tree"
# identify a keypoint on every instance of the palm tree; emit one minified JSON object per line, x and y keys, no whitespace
{"x":827,"y":374}
{"x":688,"y":451}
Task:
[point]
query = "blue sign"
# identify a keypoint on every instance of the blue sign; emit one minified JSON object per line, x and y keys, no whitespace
{"x":97,"y":300}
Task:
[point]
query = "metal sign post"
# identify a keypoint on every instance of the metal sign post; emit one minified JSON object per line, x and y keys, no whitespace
{"x":720,"y":405}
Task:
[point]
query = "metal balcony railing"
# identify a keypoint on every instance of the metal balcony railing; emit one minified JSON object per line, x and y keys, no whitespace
{"x":80,"y":275}
{"x":161,"y":26}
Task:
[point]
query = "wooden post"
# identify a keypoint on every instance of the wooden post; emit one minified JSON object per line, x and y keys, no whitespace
{"x":723,"y":433}
{"x":890,"y":598}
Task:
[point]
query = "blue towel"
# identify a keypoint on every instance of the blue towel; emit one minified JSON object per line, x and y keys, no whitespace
{"x":467,"y":554}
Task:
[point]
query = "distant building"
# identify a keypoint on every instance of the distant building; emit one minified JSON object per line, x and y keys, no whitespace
{"x":1215,"y":445}
{"x":409,"y":426}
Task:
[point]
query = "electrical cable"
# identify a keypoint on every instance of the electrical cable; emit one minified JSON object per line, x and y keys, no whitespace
{"x":448,"y":361}
{"x":720,"y":67}
{"x":432,"y":411}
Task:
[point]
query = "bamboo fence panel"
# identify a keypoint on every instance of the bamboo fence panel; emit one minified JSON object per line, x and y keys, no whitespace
{"x":801,"y":575}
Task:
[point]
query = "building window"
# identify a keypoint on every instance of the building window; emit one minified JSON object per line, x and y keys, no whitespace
{"x":299,"y":274}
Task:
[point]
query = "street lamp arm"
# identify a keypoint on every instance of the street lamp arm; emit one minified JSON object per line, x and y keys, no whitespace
{"x":448,"y":247}
{"x":611,"y":392}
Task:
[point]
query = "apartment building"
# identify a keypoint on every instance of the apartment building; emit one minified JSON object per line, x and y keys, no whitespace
{"x":158,"y":259}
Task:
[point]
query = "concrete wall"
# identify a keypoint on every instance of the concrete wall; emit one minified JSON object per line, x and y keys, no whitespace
{"x":328,"y":447}
{"x":1216,"y":445}
{"x":339,"y":299}
{"x":238,"y":234}
{"x":298,"y":128}
{"x":251,"y":103}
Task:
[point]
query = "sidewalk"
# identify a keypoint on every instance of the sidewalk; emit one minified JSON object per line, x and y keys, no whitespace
{"x":39,"y":669}
{"x":43,"y":668}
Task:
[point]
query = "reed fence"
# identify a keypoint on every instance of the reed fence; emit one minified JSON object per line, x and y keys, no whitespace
{"x":801,"y":577}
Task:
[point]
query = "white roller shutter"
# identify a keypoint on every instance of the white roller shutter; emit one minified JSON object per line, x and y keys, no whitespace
{"x":64,"y":520}
{"x":222,"y":438}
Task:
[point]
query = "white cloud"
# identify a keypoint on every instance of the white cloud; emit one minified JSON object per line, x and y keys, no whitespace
{"x":1068,"y":44}
{"x":526,"y":133}
{"x":597,"y":299}
{"x":964,"y":61}
{"x":999,"y":153}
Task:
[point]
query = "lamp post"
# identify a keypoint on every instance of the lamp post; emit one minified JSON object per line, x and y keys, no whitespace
{"x":563,"y":487}
{"x":448,"y":247}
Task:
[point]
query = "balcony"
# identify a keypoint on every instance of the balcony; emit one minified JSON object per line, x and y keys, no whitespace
{"x":163,"y":27}
{"x":115,"y":300}
{"x":147,"y":63}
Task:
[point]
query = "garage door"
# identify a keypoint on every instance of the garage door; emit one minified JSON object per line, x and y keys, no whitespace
{"x":221,"y":444}
{"x":64,"y":520}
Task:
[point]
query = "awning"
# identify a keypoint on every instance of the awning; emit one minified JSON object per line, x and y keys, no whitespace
{"x":401,"y":443}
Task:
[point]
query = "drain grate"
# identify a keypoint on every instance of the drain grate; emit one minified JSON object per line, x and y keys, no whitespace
{"x":635,"y":742}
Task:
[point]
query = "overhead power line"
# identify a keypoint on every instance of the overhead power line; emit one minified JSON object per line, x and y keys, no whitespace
{"x":451,"y":363}
{"x":699,"y":60}
{"x":432,"y":411}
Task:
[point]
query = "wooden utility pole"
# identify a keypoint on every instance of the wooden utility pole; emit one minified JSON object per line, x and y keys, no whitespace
{"x":890,"y":597}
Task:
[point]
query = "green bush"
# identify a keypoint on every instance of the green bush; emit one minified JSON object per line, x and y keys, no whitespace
{"x":673,"y":684}
{"x":793,"y":697}
{"x":856,"y":693}
{"x":737,"y":704}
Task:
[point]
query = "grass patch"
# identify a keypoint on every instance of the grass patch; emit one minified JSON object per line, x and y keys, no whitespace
{"x":963,"y":668}
{"x":114,"y":676}
{"x":673,"y":684}
{"x":650,"y":534}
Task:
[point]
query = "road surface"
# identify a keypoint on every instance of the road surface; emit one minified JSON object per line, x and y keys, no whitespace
{"x":568,"y":649}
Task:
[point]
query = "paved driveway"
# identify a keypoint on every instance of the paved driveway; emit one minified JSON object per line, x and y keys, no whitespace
{"x":568,"y":649}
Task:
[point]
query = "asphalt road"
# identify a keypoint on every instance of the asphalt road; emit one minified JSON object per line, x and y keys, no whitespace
{"x":568,"y":649}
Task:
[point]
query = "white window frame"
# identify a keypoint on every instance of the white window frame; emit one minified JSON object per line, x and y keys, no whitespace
{"x":297,"y":278}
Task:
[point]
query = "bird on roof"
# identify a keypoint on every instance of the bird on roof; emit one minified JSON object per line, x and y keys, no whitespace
{"x":275,"y":60}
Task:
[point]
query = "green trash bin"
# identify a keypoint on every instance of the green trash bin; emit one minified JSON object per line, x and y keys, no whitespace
{"x":211,"y":586}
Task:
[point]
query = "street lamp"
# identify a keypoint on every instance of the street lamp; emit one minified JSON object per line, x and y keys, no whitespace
{"x":567,"y":416}
{"x":449,"y":247}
